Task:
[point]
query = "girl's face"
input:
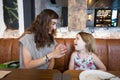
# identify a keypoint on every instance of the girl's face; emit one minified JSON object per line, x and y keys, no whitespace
{"x":53,"y":25}
{"x":79,"y":43}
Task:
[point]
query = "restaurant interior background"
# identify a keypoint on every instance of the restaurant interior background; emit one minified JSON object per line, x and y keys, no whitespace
{"x":102,"y":17}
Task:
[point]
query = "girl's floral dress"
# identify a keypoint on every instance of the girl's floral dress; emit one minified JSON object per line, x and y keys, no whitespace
{"x":83,"y":64}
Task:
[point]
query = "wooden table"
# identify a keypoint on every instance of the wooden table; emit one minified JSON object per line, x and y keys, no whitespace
{"x":32,"y":74}
{"x":74,"y":74}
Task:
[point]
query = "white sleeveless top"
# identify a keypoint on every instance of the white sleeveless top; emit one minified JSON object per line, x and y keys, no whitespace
{"x":28,"y":41}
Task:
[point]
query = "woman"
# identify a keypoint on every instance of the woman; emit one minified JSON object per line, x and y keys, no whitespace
{"x":37,"y":46}
{"x":84,"y":57}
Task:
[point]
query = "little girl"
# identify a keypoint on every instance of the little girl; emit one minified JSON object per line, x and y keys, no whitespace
{"x":84,"y":58}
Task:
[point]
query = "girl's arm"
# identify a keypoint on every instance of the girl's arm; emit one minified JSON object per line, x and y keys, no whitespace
{"x":99,"y":64}
{"x":71,"y":63}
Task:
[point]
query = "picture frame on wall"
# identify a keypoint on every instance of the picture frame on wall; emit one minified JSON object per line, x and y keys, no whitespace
{"x":10,"y":12}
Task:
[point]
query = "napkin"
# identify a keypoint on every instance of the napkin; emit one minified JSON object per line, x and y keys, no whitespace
{"x":4,"y":73}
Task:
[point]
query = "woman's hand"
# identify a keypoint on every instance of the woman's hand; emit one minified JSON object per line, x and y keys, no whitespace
{"x":59,"y":51}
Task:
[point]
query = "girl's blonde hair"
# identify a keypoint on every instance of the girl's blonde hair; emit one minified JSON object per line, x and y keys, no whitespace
{"x":89,"y":40}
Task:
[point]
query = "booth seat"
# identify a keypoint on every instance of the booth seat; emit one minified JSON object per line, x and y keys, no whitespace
{"x":108,"y":50}
{"x":9,"y":50}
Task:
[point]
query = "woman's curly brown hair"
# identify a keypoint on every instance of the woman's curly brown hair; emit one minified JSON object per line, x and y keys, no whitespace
{"x":40,"y":27}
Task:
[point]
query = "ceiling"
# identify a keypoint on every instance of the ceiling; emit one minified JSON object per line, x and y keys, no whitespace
{"x":103,"y":3}
{"x":92,"y":3}
{"x":63,"y":3}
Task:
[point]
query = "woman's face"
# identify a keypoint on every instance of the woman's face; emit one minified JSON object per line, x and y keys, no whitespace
{"x":53,"y":25}
{"x":79,"y":43}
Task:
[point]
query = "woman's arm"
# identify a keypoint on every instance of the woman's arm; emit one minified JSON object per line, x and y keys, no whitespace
{"x":51,"y":64}
{"x":58,"y":52}
{"x":99,"y":63}
{"x":28,"y":62}
{"x":71,"y":63}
